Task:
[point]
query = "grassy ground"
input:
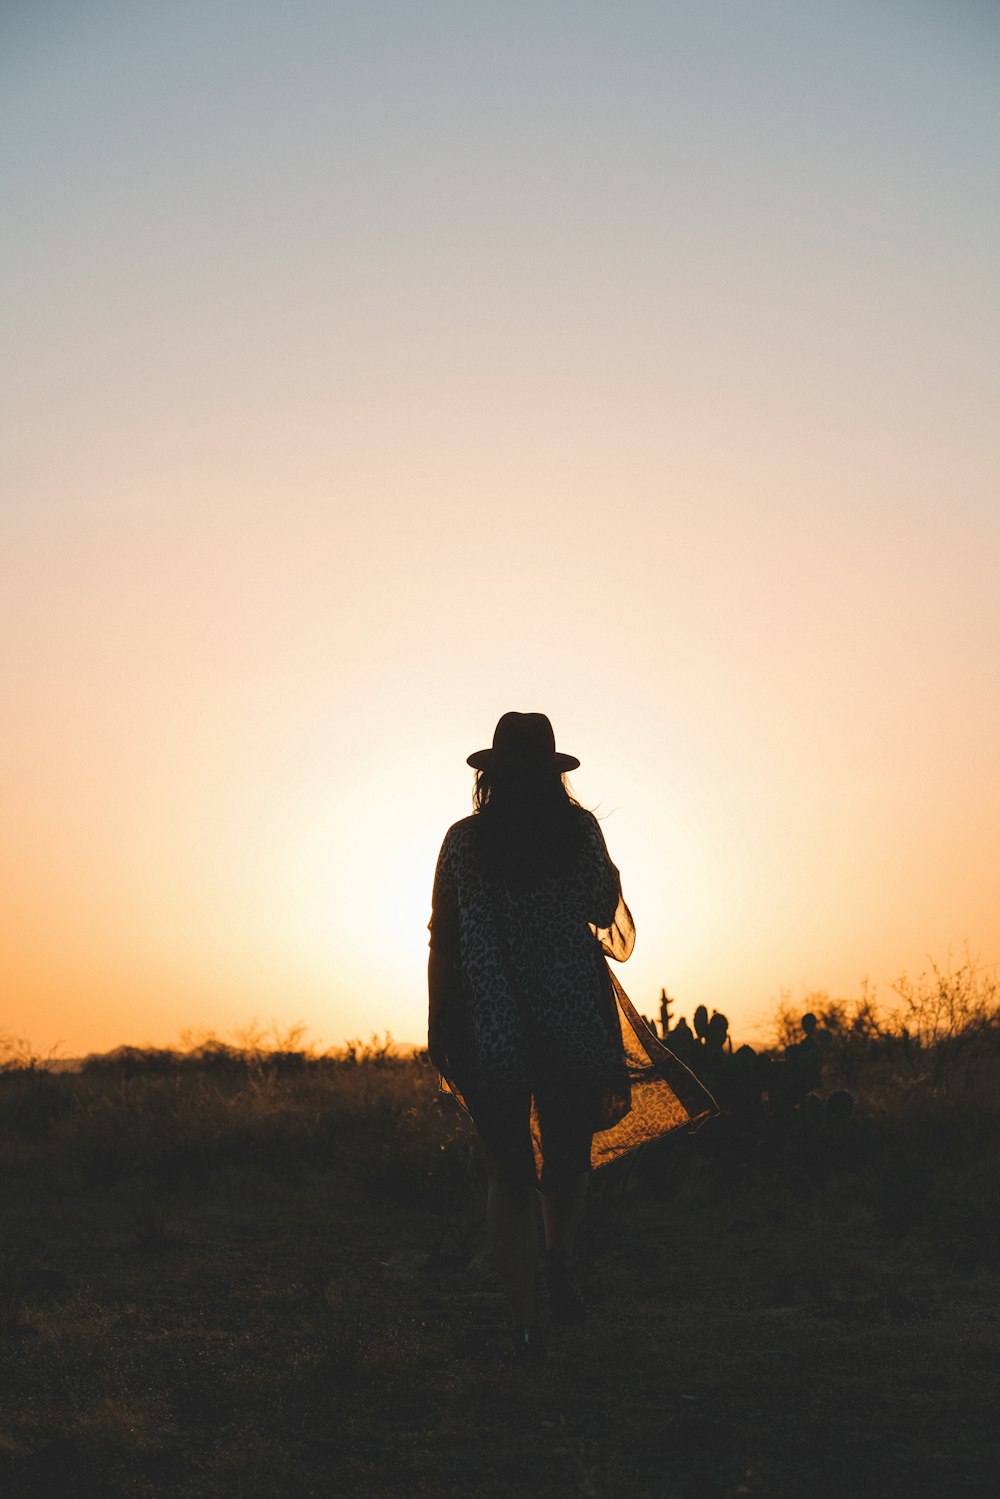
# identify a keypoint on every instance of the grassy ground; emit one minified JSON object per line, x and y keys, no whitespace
{"x":273,"y":1281}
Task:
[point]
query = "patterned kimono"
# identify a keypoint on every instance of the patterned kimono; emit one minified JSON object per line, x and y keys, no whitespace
{"x":532,"y":988}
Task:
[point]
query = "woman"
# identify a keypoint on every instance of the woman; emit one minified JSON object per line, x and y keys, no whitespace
{"x":526,"y":1023}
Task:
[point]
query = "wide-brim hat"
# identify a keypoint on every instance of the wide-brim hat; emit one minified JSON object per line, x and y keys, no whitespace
{"x":523,"y":742}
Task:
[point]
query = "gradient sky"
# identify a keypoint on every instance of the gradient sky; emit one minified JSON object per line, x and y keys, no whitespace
{"x":374,"y":368}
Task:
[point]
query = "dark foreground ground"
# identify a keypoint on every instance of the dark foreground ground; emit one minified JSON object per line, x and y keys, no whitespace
{"x":277,"y":1285}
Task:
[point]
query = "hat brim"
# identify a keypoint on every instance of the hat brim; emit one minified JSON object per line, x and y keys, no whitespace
{"x":487,"y":759}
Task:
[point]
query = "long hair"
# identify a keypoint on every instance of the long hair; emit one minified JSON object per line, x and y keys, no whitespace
{"x":528,"y":826}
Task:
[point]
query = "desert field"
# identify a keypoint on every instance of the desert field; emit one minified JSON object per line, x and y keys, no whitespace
{"x":244,"y":1272}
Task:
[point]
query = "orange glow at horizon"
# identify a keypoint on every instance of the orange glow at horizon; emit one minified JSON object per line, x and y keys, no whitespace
{"x":642,"y":373}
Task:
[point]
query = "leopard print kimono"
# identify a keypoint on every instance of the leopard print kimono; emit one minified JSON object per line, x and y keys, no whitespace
{"x":534,"y":980}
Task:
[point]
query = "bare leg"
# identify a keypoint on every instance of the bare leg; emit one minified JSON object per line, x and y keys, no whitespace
{"x":562,"y":1212}
{"x":511,"y":1221}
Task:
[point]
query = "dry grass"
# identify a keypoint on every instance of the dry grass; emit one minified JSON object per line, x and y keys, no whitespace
{"x":227,"y":1275}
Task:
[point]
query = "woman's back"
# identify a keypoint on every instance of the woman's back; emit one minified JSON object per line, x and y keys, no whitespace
{"x":528,"y":828}
{"x":525,"y":1020}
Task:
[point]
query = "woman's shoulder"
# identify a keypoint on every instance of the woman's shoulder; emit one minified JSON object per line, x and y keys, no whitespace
{"x":463,"y":827}
{"x":591,"y":835}
{"x":587,"y":822}
{"x":460,"y":834}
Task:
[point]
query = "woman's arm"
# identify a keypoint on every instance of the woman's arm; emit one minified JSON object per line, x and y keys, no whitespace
{"x":610,"y":918}
{"x":439,"y":972}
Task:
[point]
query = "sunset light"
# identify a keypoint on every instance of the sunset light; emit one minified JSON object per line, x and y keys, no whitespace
{"x":499,"y":796}
{"x":373,"y":370}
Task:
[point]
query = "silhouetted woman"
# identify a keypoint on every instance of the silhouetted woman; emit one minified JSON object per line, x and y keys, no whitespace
{"x":527,"y":1024}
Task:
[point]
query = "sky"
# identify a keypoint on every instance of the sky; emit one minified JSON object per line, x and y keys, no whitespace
{"x":375,"y":368}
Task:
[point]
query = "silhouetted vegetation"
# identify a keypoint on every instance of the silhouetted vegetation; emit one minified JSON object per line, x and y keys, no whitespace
{"x":239,"y":1268}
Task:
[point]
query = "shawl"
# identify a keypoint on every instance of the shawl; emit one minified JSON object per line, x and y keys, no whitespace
{"x":647,"y":1091}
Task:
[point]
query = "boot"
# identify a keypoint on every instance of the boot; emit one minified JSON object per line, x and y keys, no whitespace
{"x":529,"y":1347}
{"x":566,"y":1303}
